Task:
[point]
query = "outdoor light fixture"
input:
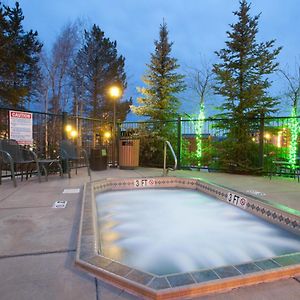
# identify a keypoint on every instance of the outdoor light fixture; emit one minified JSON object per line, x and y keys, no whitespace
{"x":107,"y":135}
{"x":68,"y":128}
{"x":73,"y":134}
{"x":267,"y":136}
{"x":115,"y":93}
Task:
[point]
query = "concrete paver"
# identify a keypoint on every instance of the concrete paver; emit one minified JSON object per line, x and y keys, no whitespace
{"x":288,"y":289}
{"x":279,"y":190}
{"x":109,"y":292}
{"x":37,"y":230}
{"x":44,"y":277}
{"x":38,"y":242}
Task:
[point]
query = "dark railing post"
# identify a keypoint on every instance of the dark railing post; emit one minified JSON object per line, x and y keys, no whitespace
{"x":179,"y":143}
{"x":64,"y":123}
{"x":261,"y":140}
{"x":118,"y":136}
{"x":64,"y":137}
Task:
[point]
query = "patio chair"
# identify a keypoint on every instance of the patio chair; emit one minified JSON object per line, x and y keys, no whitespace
{"x":45,"y":164}
{"x":71,"y":156}
{"x":14,"y":158}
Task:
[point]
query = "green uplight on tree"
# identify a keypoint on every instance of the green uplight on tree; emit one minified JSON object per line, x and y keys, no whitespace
{"x":198,"y":129}
{"x":294,"y":127}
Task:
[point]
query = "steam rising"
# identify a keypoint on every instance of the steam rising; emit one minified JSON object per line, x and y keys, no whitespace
{"x":167,"y":231}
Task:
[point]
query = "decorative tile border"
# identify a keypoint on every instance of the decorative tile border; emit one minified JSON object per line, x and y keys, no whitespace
{"x":184,"y":284}
{"x":252,"y":205}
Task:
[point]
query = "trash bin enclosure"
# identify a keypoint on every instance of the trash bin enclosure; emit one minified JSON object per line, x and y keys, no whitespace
{"x":129,"y":151}
{"x":98,"y":159}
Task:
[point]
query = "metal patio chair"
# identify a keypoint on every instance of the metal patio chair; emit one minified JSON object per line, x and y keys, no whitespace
{"x":71,"y":156}
{"x":15,"y":158}
{"x":45,"y":164}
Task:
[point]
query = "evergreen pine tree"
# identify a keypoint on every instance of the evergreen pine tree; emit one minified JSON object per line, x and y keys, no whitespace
{"x":242,"y":79}
{"x":19,"y":56}
{"x":97,"y":67}
{"x":159,"y":101}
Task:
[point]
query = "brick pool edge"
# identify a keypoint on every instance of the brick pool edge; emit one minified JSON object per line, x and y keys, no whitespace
{"x":185,"y":284}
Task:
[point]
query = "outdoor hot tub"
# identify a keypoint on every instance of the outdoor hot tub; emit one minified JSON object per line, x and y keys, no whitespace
{"x":169,"y":237}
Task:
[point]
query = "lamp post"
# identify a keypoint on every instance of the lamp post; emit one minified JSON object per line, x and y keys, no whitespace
{"x":115,"y":93}
{"x":71,"y":133}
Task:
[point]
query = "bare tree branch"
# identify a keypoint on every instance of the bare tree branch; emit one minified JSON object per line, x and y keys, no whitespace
{"x":293,"y":82}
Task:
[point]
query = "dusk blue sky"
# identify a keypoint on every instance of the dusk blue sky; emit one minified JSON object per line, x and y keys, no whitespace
{"x":197,"y":27}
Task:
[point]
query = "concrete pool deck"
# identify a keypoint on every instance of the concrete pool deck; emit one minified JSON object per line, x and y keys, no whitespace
{"x":38,"y":242}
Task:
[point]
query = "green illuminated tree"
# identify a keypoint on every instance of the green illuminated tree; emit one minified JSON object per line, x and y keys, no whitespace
{"x":201,"y":81}
{"x":19,"y":56}
{"x":242,"y":79}
{"x":293,"y":93}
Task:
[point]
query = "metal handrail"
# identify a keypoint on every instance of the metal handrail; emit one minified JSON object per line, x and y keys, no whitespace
{"x":166,"y":170}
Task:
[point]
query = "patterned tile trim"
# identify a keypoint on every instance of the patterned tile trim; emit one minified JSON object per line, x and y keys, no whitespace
{"x":150,"y":284}
{"x":288,"y":221}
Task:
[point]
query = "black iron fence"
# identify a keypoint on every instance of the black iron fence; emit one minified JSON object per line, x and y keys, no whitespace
{"x":49,"y":129}
{"x":197,"y":143}
{"x":46,"y":130}
{"x":207,"y":143}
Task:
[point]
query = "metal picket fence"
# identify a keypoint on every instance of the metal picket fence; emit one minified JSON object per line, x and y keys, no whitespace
{"x":197,"y":143}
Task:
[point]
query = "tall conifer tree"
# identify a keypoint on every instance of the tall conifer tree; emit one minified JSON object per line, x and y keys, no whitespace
{"x":159,"y":101}
{"x":98,"y":66}
{"x":19,"y":56}
{"x":242,"y":79}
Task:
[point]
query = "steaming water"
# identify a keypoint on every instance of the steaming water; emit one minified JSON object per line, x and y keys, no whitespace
{"x":165,"y":231}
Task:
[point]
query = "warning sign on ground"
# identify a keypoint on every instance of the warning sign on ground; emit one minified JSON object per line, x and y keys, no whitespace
{"x":60,"y":204}
{"x":71,"y":191}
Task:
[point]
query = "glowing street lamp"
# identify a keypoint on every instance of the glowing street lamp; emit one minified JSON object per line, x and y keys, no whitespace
{"x":107,"y":135}
{"x":267,"y":136}
{"x":115,"y":93}
{"x":68,"y":128}
{"x":73,"y":134}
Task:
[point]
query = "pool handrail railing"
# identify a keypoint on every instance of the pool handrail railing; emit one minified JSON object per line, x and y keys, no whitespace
{"x":166,"y":170}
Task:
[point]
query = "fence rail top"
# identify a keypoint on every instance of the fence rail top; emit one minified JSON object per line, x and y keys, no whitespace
{"x":210,"y":119}
{"x":30,"y":111}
